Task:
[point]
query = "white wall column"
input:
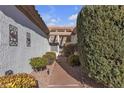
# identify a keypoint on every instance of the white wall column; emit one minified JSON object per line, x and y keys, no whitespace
{"x":58,"y":40}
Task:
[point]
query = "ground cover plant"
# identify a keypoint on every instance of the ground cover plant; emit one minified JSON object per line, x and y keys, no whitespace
{"x":21,"y":80}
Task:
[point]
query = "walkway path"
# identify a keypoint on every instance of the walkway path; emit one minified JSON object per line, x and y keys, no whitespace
{"x":61,"y":78}
{"x":62,"y":75}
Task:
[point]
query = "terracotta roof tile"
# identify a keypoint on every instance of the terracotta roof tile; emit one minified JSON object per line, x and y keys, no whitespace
{"x":60,"y":28}
{"x":32,"y":14}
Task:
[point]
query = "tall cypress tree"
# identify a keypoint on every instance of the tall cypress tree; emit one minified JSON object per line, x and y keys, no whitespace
{"x":100,"y":31}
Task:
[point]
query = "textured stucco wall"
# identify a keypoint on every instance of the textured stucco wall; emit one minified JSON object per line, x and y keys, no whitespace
{"x":17,"y":58}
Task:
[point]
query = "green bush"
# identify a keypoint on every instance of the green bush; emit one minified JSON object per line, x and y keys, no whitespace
{"x":38,"y":63}
{"x":69,"y":49}
{"x":21,"y":80}
{"x":100,"y":31}
{"x":52,"y":53}
{"x":50,"y":57}
{"x":74,"y":60}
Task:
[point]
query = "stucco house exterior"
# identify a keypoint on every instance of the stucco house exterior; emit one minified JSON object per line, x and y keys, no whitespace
{"x":74,"y":36}
{"x":59,"y":35}
{"x":23,"y":35}
{"x":72,"y":39}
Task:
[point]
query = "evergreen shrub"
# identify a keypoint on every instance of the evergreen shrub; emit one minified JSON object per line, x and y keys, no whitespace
{"x":100,"y":32}
{"x":74,"y":60}
{"x":50,"y":57}
{"x":38,"y":63}
{"x":69,"y":49}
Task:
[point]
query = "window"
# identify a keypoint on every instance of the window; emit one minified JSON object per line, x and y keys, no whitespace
{"x":13,"y":35}
{"x":28,"y":40}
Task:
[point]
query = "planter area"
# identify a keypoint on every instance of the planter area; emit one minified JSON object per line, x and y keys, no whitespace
{"x":40,"y":63}
{"x":20,"y":80}
{"x":42,"y":67}
{"x":43,"y":77}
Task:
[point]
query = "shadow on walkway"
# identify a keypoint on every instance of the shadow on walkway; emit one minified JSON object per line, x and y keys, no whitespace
{"x":75,"y":72}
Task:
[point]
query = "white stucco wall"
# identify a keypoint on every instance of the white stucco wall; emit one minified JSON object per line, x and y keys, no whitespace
{"x":16,"y":58}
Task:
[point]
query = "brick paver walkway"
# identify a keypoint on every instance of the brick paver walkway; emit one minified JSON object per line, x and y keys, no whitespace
{"x":62,"y":75}
{"x":42,"y":76}
{"x":61,"y":79}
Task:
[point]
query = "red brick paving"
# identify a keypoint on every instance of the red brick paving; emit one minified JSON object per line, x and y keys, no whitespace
{"x":60,"y":78}
{"x":43,"y":77}
{"x":62,"y":75}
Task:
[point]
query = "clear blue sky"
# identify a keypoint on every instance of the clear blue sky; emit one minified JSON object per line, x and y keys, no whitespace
{"x":59,"y":15}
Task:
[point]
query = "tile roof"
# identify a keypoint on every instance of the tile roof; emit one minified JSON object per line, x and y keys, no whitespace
{"x":60,"y":28}
{"x":32,"y":14}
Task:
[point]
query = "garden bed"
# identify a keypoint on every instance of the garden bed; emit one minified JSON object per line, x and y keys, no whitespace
{"x":20,"y":80}
{"x":43,"y":77}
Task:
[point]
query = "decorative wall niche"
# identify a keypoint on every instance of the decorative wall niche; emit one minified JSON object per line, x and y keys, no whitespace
{"x":28,"y":40}
{"x":13,"y":35}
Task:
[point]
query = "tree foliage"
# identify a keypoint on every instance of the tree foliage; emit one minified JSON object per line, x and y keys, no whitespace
{"x":100,"y":31}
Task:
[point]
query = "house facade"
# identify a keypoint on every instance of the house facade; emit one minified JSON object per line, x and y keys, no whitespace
{"x":58,"y":37}
{"x":23,"y":35}
{"x":74,"y":36}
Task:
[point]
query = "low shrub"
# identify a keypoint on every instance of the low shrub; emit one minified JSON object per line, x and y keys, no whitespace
{"x":69,"y":49}
{"x":50,"y":57}
{"x":38,"y":63}
{"x":21,"y":80}
{"x":74,"y":60}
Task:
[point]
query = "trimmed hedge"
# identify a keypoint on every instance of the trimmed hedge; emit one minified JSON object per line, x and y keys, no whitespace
{"x":74,"y":60}
{"x":21,"y":80}
{"x":38,"y":63}
{"x":51,"y":53}
{"x":100,"y":31}
{"x":50,"y":57}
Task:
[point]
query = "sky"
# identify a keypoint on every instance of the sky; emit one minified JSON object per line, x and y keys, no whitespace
{"x":59,"y":15}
